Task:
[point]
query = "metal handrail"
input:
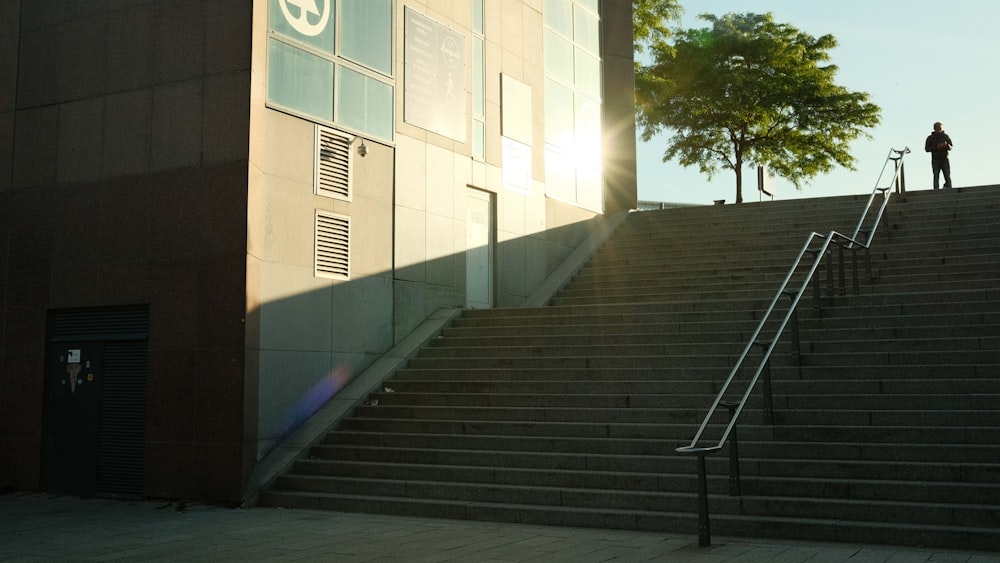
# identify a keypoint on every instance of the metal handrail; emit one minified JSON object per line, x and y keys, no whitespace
{"x":735,"y":408}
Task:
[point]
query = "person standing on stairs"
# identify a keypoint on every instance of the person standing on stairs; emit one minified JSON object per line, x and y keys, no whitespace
{"x":938,"y":143}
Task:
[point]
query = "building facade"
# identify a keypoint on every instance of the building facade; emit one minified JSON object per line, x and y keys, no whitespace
{"x":215,"y":213}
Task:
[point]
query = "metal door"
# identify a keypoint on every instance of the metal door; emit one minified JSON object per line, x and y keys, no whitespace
{"x":95,"y":402}
{"x":478,"y":250}
{"x":72,"y":406}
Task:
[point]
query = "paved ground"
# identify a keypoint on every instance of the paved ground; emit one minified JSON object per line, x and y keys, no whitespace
{"x":38,"y":527}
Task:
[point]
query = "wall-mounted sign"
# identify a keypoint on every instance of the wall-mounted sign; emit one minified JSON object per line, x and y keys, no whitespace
{"x":516,"y":166}
{"x":434,"y":77}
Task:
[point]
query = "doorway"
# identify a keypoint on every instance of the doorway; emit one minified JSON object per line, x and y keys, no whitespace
{"x":479,"y":241}
{"x":95,"y":402}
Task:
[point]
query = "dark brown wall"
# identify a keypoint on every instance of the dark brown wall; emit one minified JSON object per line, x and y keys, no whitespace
{"x":127,"y":184}
{"x":174,"y":240}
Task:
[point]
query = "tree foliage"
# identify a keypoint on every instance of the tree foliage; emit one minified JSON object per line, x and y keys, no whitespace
{"x":650,"y":22}
{"x":749,"y":91}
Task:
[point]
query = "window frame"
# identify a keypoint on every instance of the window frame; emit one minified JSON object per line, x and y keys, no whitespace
{"x":559,"y":152}
{"x":339,"y":61}
{"x":479,"y":82}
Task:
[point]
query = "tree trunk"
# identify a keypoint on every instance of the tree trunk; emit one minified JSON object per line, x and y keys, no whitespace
{"x":739,"y":180}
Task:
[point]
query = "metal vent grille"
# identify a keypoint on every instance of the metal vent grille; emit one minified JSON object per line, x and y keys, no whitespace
{"x":333,"y":246}
{"x":127,"y":323}
{"x":122,"y":423}
{"x":333,"y":164}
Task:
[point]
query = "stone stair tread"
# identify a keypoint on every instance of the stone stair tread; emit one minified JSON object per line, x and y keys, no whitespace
{"x":892,"y":413}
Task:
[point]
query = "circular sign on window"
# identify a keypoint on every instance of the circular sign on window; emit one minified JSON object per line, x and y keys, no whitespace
{"x":306,"y":8}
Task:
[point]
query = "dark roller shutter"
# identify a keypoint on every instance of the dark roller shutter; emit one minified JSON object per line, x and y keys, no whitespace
{"x":95,"y":325}
{"x":122,"y":419}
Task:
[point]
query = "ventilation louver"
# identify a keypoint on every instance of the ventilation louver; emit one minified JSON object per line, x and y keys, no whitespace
{"x":333,"y":246}
{"x":333,"y":164}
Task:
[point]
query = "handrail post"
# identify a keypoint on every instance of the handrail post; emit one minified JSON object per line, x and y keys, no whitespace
{"x":829,"y":274}
{"x":885,"y":224}
{"x":817,"y":292}
{"x":868,"y":264}
{"x":869,"y":236}
{"x":734,"y":453}
{"x":854,"y":264}
{"x":840,"y":269}
{"x":796,"y":342}
{"x":704,"y":532}
{"x":768,"y":398}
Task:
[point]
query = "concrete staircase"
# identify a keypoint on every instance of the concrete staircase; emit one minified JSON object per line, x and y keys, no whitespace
{"x":570,"y":414}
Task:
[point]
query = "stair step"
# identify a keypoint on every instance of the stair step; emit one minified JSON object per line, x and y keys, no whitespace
{"x":571,"y":413}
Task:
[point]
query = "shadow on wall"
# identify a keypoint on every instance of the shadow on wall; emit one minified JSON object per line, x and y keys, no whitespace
{"x":313,"y":343}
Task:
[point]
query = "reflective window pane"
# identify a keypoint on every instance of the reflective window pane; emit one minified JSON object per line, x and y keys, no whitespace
{"x":573,"y":92}
{"x":588,"y":74}
{"x":364,"y":103}
{"x":588,"y":130}
{"x":477,"y":16}
{"x":558,"y":57}
{"x":560,"y":175}
{"x":299,"y":81}
{"x":478,"y":78}
{"x":298,"y":21}
{"x":589,"y":4}
{"x":559,"y":120}
{"x":587,"y":30}
{"x":588,"y":188}
{"x":559,"y":16}
{"x":366,"y":33}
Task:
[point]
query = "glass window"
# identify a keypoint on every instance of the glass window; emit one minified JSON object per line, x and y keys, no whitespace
{"x":478,"y":77}
{"x":558,"y":57}
{"x":559,"y":16}
{"x":588,"y":187}
{"x":589,"y":4}
{"x":305,"y":22}
{"x":560,"y":175}
{"x":478,"y":82}
{"x":365,"y":103}
{"x":587,"y":30}
{"x":366,"y":33}
{"x":299,"y":80}
{"x":573,"y":91}
{"x":587,"y":124}
{"x":588,"y":74}
{"x":559,"y":115}
{"x":306,"y":66}
{"x":477,"y":16}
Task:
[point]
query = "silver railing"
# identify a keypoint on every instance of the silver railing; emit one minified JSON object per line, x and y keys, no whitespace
{"x":859,"y":240}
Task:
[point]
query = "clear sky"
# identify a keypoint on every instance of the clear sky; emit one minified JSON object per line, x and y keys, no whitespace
{"x":921,"y":61}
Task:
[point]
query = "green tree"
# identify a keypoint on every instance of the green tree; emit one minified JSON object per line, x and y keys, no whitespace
{"x":751,"y":91}
{"x":650,"y":22}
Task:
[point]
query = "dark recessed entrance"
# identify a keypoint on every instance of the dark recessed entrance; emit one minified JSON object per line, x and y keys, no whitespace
{"x":95,"y":406}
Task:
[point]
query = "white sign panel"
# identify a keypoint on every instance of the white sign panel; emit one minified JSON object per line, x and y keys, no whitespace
{"x":516,"y":166}
{"x":434,"y":77}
